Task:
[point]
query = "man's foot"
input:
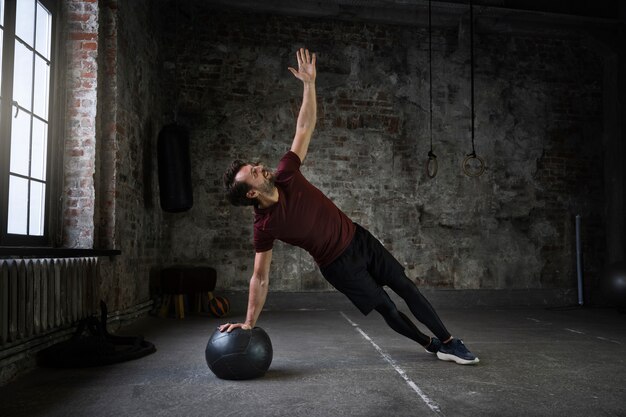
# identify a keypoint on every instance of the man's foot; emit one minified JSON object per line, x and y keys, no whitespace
{"x":433,"y":346}
{"x":455,"y":351}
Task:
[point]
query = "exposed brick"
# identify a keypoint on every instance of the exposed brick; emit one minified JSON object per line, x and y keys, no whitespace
{"x":83,"y":36}
{"x":80,"y":17}
{"x":82,"y":100}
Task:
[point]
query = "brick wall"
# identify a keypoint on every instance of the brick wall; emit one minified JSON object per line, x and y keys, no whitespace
{"x":80,"y":130}
{"x":130,"y":116}
{"x":538,"y":115}
{"x":112,"y":120}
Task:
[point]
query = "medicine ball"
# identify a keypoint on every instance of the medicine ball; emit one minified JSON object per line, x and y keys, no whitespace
{"x":614,"y":283}
{"x":219,"y":306}
{"x":240,"y":354}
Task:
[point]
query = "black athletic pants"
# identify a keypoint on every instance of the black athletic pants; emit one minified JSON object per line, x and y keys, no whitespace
{"x":363,"y":269}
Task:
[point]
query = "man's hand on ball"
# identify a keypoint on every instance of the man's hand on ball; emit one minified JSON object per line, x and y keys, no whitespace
{"x":228,"y":327}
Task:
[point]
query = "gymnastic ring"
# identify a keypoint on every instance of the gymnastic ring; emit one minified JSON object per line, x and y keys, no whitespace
{"x":479,"y":172}
{"x":432,"y":161}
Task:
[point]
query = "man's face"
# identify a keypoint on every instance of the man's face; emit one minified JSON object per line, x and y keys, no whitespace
{"x":258,"y":177}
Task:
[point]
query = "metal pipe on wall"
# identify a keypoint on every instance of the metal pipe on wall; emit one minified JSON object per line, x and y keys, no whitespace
{"x":579,"y":267}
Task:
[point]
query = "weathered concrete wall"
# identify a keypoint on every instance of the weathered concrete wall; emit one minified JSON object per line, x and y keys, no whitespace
{"x":538,"y":127}
{"x":128,"y":218}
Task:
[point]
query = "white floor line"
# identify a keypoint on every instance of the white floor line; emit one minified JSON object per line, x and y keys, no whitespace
{"x":597,"y":337}
{"x":430,"y":403}
{"x":608,"y":340}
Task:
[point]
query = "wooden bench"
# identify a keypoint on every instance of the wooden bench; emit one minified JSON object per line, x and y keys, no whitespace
{"x":177,"y":281}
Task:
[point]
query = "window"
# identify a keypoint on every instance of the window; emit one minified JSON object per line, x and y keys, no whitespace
{"x":26,"y":54}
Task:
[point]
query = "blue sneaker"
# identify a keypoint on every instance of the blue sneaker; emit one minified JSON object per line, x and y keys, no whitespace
{"x":455,"y":351}
{"x":433,"y":346}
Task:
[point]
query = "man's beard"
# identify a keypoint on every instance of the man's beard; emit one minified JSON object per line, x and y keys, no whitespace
{"x":268,"y":185}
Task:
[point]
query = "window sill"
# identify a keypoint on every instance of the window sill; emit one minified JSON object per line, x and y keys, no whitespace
{"x":34,"y":252}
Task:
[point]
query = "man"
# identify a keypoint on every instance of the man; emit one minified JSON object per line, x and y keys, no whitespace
{"x":287,"y":207}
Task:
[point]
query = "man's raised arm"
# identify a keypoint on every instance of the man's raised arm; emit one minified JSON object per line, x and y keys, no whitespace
{"x":308,"y":110}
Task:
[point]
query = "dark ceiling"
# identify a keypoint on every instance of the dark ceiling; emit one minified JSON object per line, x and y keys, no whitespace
{"x":612,"y":10}
{"x":609,"y":9}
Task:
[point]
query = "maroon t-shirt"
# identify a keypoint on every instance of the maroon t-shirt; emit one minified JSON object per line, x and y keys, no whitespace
{"x":303,"y":216}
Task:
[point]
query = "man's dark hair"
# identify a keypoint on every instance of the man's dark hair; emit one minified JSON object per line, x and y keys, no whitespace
{"x":236,"y":191}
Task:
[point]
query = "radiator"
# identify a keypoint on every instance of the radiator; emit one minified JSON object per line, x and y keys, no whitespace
{"x":41,"y":296}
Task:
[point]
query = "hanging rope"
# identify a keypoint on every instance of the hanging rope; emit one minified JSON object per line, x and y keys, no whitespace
{"x":467,"y":169}
{"x":431,"y":165}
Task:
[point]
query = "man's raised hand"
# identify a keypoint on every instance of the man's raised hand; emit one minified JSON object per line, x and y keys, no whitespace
{"x":306,"y":66}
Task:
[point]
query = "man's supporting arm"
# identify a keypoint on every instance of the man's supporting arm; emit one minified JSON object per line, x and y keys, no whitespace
{"x":259,"y":284}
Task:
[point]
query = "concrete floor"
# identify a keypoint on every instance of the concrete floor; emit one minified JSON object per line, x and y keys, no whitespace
{"x":534,"y":362}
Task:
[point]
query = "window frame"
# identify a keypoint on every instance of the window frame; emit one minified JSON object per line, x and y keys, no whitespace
{"x":50,"y":237}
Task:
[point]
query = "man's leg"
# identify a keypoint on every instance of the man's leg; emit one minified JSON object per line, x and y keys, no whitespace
{"x":419,"y":306}
{"x":362,"y":270}
{"x":386,"y":270}
{"x":399,"y":322}
{"x":452,"y":349}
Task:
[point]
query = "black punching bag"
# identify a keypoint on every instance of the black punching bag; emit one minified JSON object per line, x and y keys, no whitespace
{"x":174,"y":169}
